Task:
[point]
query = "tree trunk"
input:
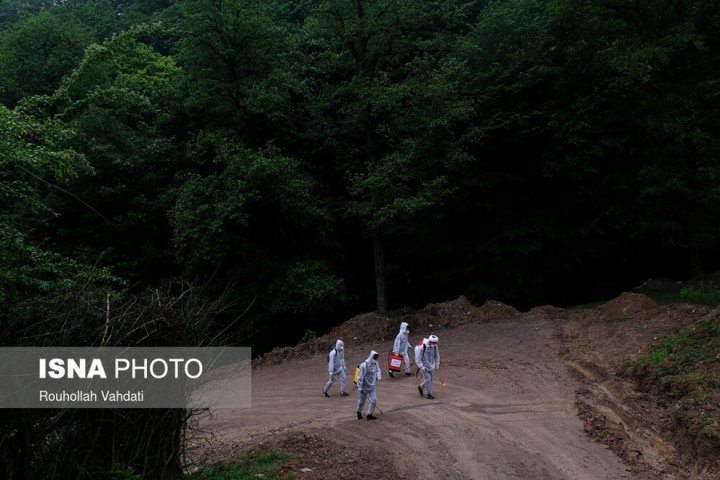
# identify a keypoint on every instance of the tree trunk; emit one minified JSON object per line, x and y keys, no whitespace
{"x":380,"y":276}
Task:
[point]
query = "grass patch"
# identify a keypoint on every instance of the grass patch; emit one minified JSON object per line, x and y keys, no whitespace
{"x":267,"y":466}
{"x":701,"y":295}
{"x":701,"y":291}
{"x":685,"y":367}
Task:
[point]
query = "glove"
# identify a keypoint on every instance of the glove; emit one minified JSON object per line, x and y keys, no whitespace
{"x":423,"y":369}
{"x":362,"y":392}
{"x":330,"y":374}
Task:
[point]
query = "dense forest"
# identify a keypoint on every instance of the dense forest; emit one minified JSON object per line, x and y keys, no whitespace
{"x":322,"y":158}
{"x":263,"y":170}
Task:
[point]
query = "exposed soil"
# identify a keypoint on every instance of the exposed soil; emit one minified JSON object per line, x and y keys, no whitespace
{"x":532,"y":395}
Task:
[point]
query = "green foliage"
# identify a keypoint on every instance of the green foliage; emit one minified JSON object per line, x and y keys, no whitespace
{"x":121,"y":100}
{"x":387,"y":195}
{"x":124,"y":62}
{"x":266,"y":465}
{"x":36,"y":53}
{"x":528,"y":150}
{"x":686,"y":367}
{"x":34,"y":283}
{"x":385,"y":96}
{"x":248,"y":186}
{"x":675,"y":347}
{"x":102,"y":17}
{"x":701,"y":296}
{"x":307,"y":336}
{"x":238,"y":68}
{"x":32,"y":160}
{"x":126,"y":473}
{"x":33,"y":279}
{"x":308,"y":286}
{"x":665,"y":61}
{"x":252,"y":218}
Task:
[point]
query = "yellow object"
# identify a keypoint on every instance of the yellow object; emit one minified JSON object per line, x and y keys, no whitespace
{"x":357,"y":372}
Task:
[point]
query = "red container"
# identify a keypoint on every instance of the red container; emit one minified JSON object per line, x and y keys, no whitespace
{"x":394,"y":362}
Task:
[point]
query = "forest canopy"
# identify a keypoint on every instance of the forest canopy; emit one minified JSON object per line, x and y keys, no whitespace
{"x":319,"y":158}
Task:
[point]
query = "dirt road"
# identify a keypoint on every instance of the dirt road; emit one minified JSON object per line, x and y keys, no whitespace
{"x":507,"y":412}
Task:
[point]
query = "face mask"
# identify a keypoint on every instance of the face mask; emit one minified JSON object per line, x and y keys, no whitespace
{"x":375,"y":357}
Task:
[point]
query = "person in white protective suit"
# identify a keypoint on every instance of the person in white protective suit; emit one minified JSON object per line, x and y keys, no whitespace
{"x":427,"y":358}
{"x":368,"y":375}
{"x":336,"y":369}
{"x":418,"y":351}
{"x":400,"y":347}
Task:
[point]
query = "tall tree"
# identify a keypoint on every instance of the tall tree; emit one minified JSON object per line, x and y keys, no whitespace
{"x":37,"y":52}
{"x":270,"y":231}
{"x":35,"y":281}
{"x":668,"y":58}
{"x":123,"y":102}
{"x":236,"y":56}
{"x":257,"y":219}
{"x":12,"y":11}
{"x":375,"y":110}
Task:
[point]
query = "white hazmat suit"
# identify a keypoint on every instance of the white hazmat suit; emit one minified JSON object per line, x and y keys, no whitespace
{"x":427,"y":358}
{"x":400,"y":347}
{"x":336,"y":368}
{"x":368,"y":375}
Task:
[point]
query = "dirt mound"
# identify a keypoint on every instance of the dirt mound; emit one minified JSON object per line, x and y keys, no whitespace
{"x":358,"y":330}
{"x":375,"y":327}
{"x":548,"y":311}
{"x":626,"y":306}
{"x":315,"y":457}
{"x":618,"y":331}
{"x":493,"y":311}
{"x":309,"y":456}
{"x":639,"y":427}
